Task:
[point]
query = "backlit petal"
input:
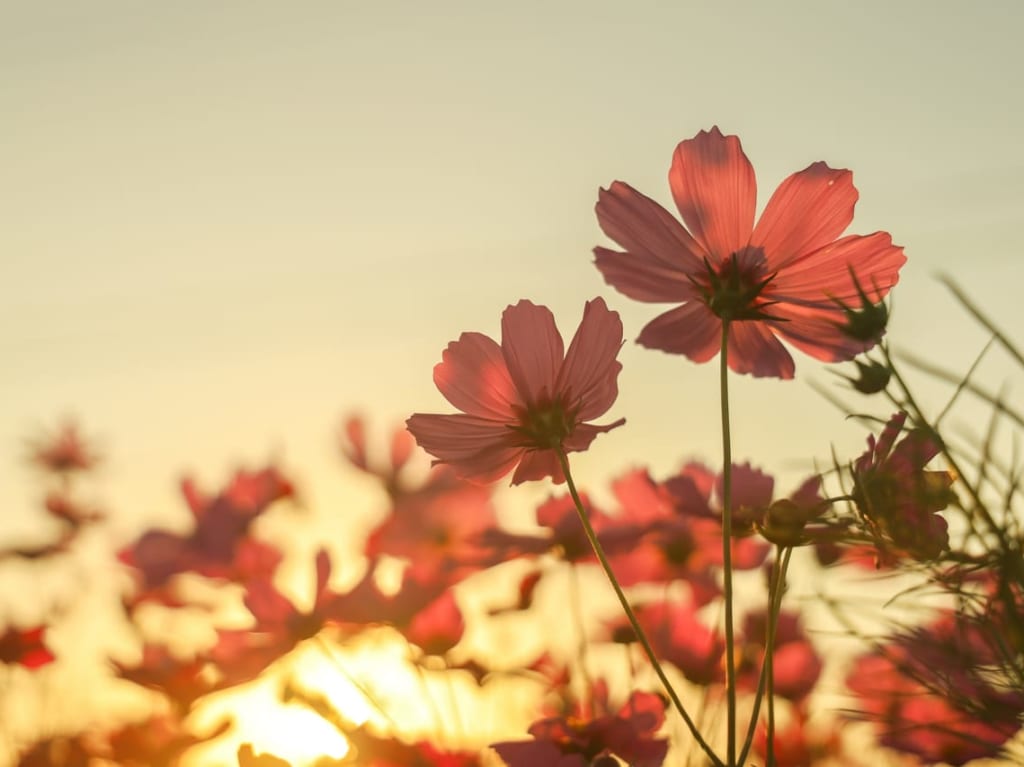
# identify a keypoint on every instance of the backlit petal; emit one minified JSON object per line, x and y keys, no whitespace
{"x":532,"y":348}
{"x":475,"y":448}
{"x":714,"y":188}
{"x":584,"y":434}
{"x":825,"y":274}
{"x":640,"y":280}
{"x":809,"y":210}
{"x":691,"y":329}
{"x":817,"y":333}
{"x":754,"y":349}
{"x":590,"y":370}
{"x":538,"y":464}
{"x":473,"y":376}
{"x":657,"y":243}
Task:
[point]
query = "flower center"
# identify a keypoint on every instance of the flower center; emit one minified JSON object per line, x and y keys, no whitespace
{"x":545,"y":425}
{"x":733,"y":290}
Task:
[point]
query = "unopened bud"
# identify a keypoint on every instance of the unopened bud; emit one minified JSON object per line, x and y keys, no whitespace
{"x":784,"y":523}
{"x":873,"y":377}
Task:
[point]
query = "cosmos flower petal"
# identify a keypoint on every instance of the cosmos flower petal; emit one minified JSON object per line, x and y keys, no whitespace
{"x":654,"y":240}
{"x":818,"y":333}
{"x":520,"y":407}
{"x":825,"y":275}
{"x":537,"y":464}
{"x":714,"y":188}
{"x":750,"y":487}
{"x":640,"y":280}
{"x":754,"y":349}
{"x":691,"y":329}
{"x":473,"y":376}
{"x":475,"y":448}
{"x":590,"y":370}
{"x":533,"y":349}
{"x":584,"y":434}
{"x":809,"y":210}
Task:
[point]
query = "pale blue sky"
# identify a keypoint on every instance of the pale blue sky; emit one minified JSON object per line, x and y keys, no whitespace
{"x":227,"y":224}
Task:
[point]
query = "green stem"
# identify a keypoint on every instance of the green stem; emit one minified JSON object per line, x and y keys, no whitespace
{"x":730,"y":643}
{"x":775,"y":590}
{"x":581,"y":635}
{"x":628,"y":610}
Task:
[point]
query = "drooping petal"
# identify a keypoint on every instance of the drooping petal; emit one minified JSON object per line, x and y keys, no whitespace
{"x":584,"y":434}
{"x":590,"y":371}
{"x":538,"y":464}
{"x":473,"y":376}
{"x":809,"y":210}
{"x":691,"y":329}
{"x":714,"y":188}
{"x":533,"y":350}
{"x":753,"y":349}
{"x":660,"y":250}
{"x":824,"y":275}
{"x":475,"y":448}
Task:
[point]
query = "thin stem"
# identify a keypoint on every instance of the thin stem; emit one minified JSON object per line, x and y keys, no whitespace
{"x":776,"y":589}
{"x":730,"y":648}
{"x":581,"y":635}
{"x":628,"y":610}
{"x":329,"y":653}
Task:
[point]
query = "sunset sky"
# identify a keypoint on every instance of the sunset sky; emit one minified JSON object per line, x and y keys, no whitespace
{"x":228,"y":225}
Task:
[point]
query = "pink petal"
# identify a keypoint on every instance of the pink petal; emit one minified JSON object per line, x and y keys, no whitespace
{"x":584,"y":434}
{"x":590,"y":370}
{"x":824,"y":274}
{"x":475,"y":448}
{"x":818,"y":333}
{"x":691,"y":329}
{"x":642,"y":282}
{"x":660,"y":253}
{"x":714,"y":188}
{"x":753,"y":349}
{"x":532,"y":348}
{"x":809,"y":210}
{"x":538,"y":464}
{"x":751,"y":487}
{"x":472,"y":375}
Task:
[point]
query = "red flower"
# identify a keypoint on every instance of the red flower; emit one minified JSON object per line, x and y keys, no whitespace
{"x":677,"y":636}
{"x":25,"y":648}
{"x":788,"y":276}
{"x":896,"y":497}
{"x":560,"y":742}
{"x":942,"y":710}
{"x":795,"y":662}
{"x":526,"y":398}
{"x":64,"y":452}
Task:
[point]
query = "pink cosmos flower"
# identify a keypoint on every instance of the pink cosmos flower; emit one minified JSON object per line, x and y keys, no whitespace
{"x":526,"y":398}
{"x":791,"y":276}
{"x":897,"y":498}
{"x":576,"y":742}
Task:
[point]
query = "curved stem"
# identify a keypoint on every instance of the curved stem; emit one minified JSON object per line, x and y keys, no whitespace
{"x":628,"y":610}
{"x":730,"y":649}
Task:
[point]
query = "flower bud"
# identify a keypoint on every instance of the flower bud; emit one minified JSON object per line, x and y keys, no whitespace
{"x":784,"y":523}
{"x":874,"y":377}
